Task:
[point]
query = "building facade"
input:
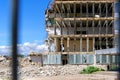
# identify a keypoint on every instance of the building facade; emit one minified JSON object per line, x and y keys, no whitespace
{"x":80,"y":32}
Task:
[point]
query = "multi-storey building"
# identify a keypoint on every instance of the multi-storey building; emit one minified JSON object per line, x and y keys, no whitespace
{"x":80,"y":32}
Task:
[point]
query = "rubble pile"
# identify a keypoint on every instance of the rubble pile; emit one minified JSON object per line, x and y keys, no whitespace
{"x":51,"y":70}
{"x":32,"y":69}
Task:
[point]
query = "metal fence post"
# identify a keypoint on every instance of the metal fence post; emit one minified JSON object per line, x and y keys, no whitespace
{"x":14,"y":39}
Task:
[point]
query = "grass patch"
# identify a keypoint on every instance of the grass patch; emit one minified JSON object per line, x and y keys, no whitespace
{"x":90,"y":69}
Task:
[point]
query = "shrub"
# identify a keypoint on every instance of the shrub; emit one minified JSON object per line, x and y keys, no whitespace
{"x":90,"y":69}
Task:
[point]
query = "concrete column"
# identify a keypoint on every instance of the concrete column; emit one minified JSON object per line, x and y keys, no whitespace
{"x":114,"y":42}
{"x":94,"y":58}
{"x":87,"y":44}
{"x":48,"y":60}
{"x":55,"y":42}
{"x":81,"y":58}
{"x":74,"y":58}
{"x":74,"y":47}
{"x":68,"y":44}
{"x":100,"y":43}
{"x":93,"y":44}
{"x":56,"y":45}
{"x":61,"y":44}
{"x":54,"y":30}
{"x":80,"y":44}
{"x":87,"y":56}
{"x":94,"y":50}
{"x":100,"y":59}
{"x":49,"y":45}
{"x":107,"y":43}
{"x":107,"y":57}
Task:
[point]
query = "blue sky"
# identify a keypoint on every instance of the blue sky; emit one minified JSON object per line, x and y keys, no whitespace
{"x":31,"y":22}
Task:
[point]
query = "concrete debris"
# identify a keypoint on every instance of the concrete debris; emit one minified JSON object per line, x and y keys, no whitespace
{"x":32,"y":69}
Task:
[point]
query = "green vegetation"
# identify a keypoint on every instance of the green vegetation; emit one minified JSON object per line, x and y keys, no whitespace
{"x":90,"y":69}
{"x":52,"y":20}
{"x":20,"y":55}
{"x":114,"y":68}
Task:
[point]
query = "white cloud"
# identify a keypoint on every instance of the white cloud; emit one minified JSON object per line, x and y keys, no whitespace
{"x":5,"y":50}
{"x":41,"y":48}
{"x":25,"y":48}
{"x":31,"y":47}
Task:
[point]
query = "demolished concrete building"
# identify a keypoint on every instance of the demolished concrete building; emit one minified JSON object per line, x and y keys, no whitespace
{"x":80,"y":32}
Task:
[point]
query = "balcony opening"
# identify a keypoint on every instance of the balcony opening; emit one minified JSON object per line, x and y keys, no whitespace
{"x":80,"y":32}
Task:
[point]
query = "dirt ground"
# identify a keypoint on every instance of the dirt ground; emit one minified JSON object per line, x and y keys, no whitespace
{"x":95,"y":76}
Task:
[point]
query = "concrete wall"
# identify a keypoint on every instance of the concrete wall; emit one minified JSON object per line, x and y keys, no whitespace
{"x":52,"y":59}
{"x":36,"y":58}
{"x":73,"y":59}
